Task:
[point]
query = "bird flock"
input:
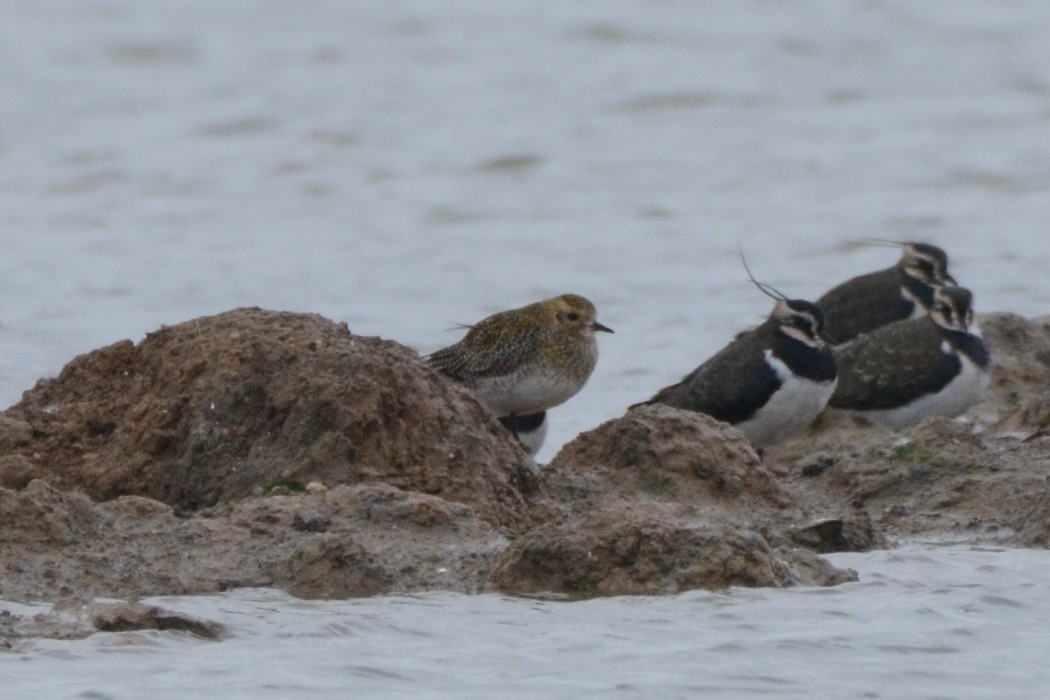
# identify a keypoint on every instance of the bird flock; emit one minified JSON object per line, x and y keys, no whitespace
{"x":895,"y":346}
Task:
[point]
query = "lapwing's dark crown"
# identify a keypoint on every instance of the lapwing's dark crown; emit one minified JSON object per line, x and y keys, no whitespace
{"x":926,"y":263}
{"x":800,"y":317}
{"x":952,"y":308}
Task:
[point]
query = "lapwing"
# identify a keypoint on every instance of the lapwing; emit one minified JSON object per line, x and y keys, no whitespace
{"x":864,"y":303}
{"x":770,"y":382}
{"x":899,"y":374}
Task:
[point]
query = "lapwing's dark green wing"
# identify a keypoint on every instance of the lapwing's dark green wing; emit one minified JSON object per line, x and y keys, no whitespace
{"x":893,"y":366}
{"x":731,"y":386}
{"x":863,"y":304}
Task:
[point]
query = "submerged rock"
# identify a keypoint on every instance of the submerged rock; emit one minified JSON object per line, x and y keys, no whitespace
{"x":77,"y":618}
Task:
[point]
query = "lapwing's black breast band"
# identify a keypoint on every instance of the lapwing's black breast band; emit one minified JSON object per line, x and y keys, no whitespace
{"x":971,"y":346}
{"x":805,"y":361}
{"x":919,"y":289}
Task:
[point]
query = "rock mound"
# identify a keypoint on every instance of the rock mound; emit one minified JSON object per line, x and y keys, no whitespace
{"x":1017,"y":399}
{"x":229,"y":406}
{"x":659,"y":501}
{"x":668,"y":452}
{"x":637,"y":549}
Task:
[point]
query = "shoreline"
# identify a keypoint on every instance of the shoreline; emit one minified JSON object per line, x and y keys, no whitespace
{"x":657,"y":501}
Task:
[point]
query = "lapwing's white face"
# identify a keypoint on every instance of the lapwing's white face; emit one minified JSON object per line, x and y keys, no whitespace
{"x":953,"y":308}
{"x":801,"y":320}
{"x":926,"y":263}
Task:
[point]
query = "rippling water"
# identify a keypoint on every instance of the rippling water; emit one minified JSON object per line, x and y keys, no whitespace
{"x":405,"y":166}
{"x":948,"y":623}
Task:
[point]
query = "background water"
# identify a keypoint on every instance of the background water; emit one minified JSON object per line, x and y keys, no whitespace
{"x":404,"y":166}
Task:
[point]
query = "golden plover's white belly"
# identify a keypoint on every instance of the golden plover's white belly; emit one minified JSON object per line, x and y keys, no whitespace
{"x":790,"y":410}
{"x":954,"y":399}
{"x":522,"y":394}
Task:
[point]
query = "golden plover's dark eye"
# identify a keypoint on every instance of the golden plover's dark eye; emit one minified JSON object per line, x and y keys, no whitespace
{"x":573,"y":316}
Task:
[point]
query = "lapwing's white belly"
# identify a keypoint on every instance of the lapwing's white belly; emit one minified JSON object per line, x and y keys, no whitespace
{"x":956,"y":398}
{"x":790,"y":410}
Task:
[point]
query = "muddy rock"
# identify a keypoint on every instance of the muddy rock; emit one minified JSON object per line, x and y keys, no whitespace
{"x":328,"y":565}
{"x":257,"y":448}
{"x":853,"y":533}
{"x":935,"y":481}
{"x":659,"y":501}
{"x":1033,"y":525}
{"x":651,"y":548}
{"x":230,"y":406}
{"x":682,"y":454}
{"x":349,"y":541}
{"x":634,"y":549}
{"x":661,"y":454}
{"x":1018,"y":399}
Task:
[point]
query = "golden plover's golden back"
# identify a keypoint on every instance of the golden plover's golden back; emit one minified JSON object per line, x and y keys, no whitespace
{"x":529,"y":359}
